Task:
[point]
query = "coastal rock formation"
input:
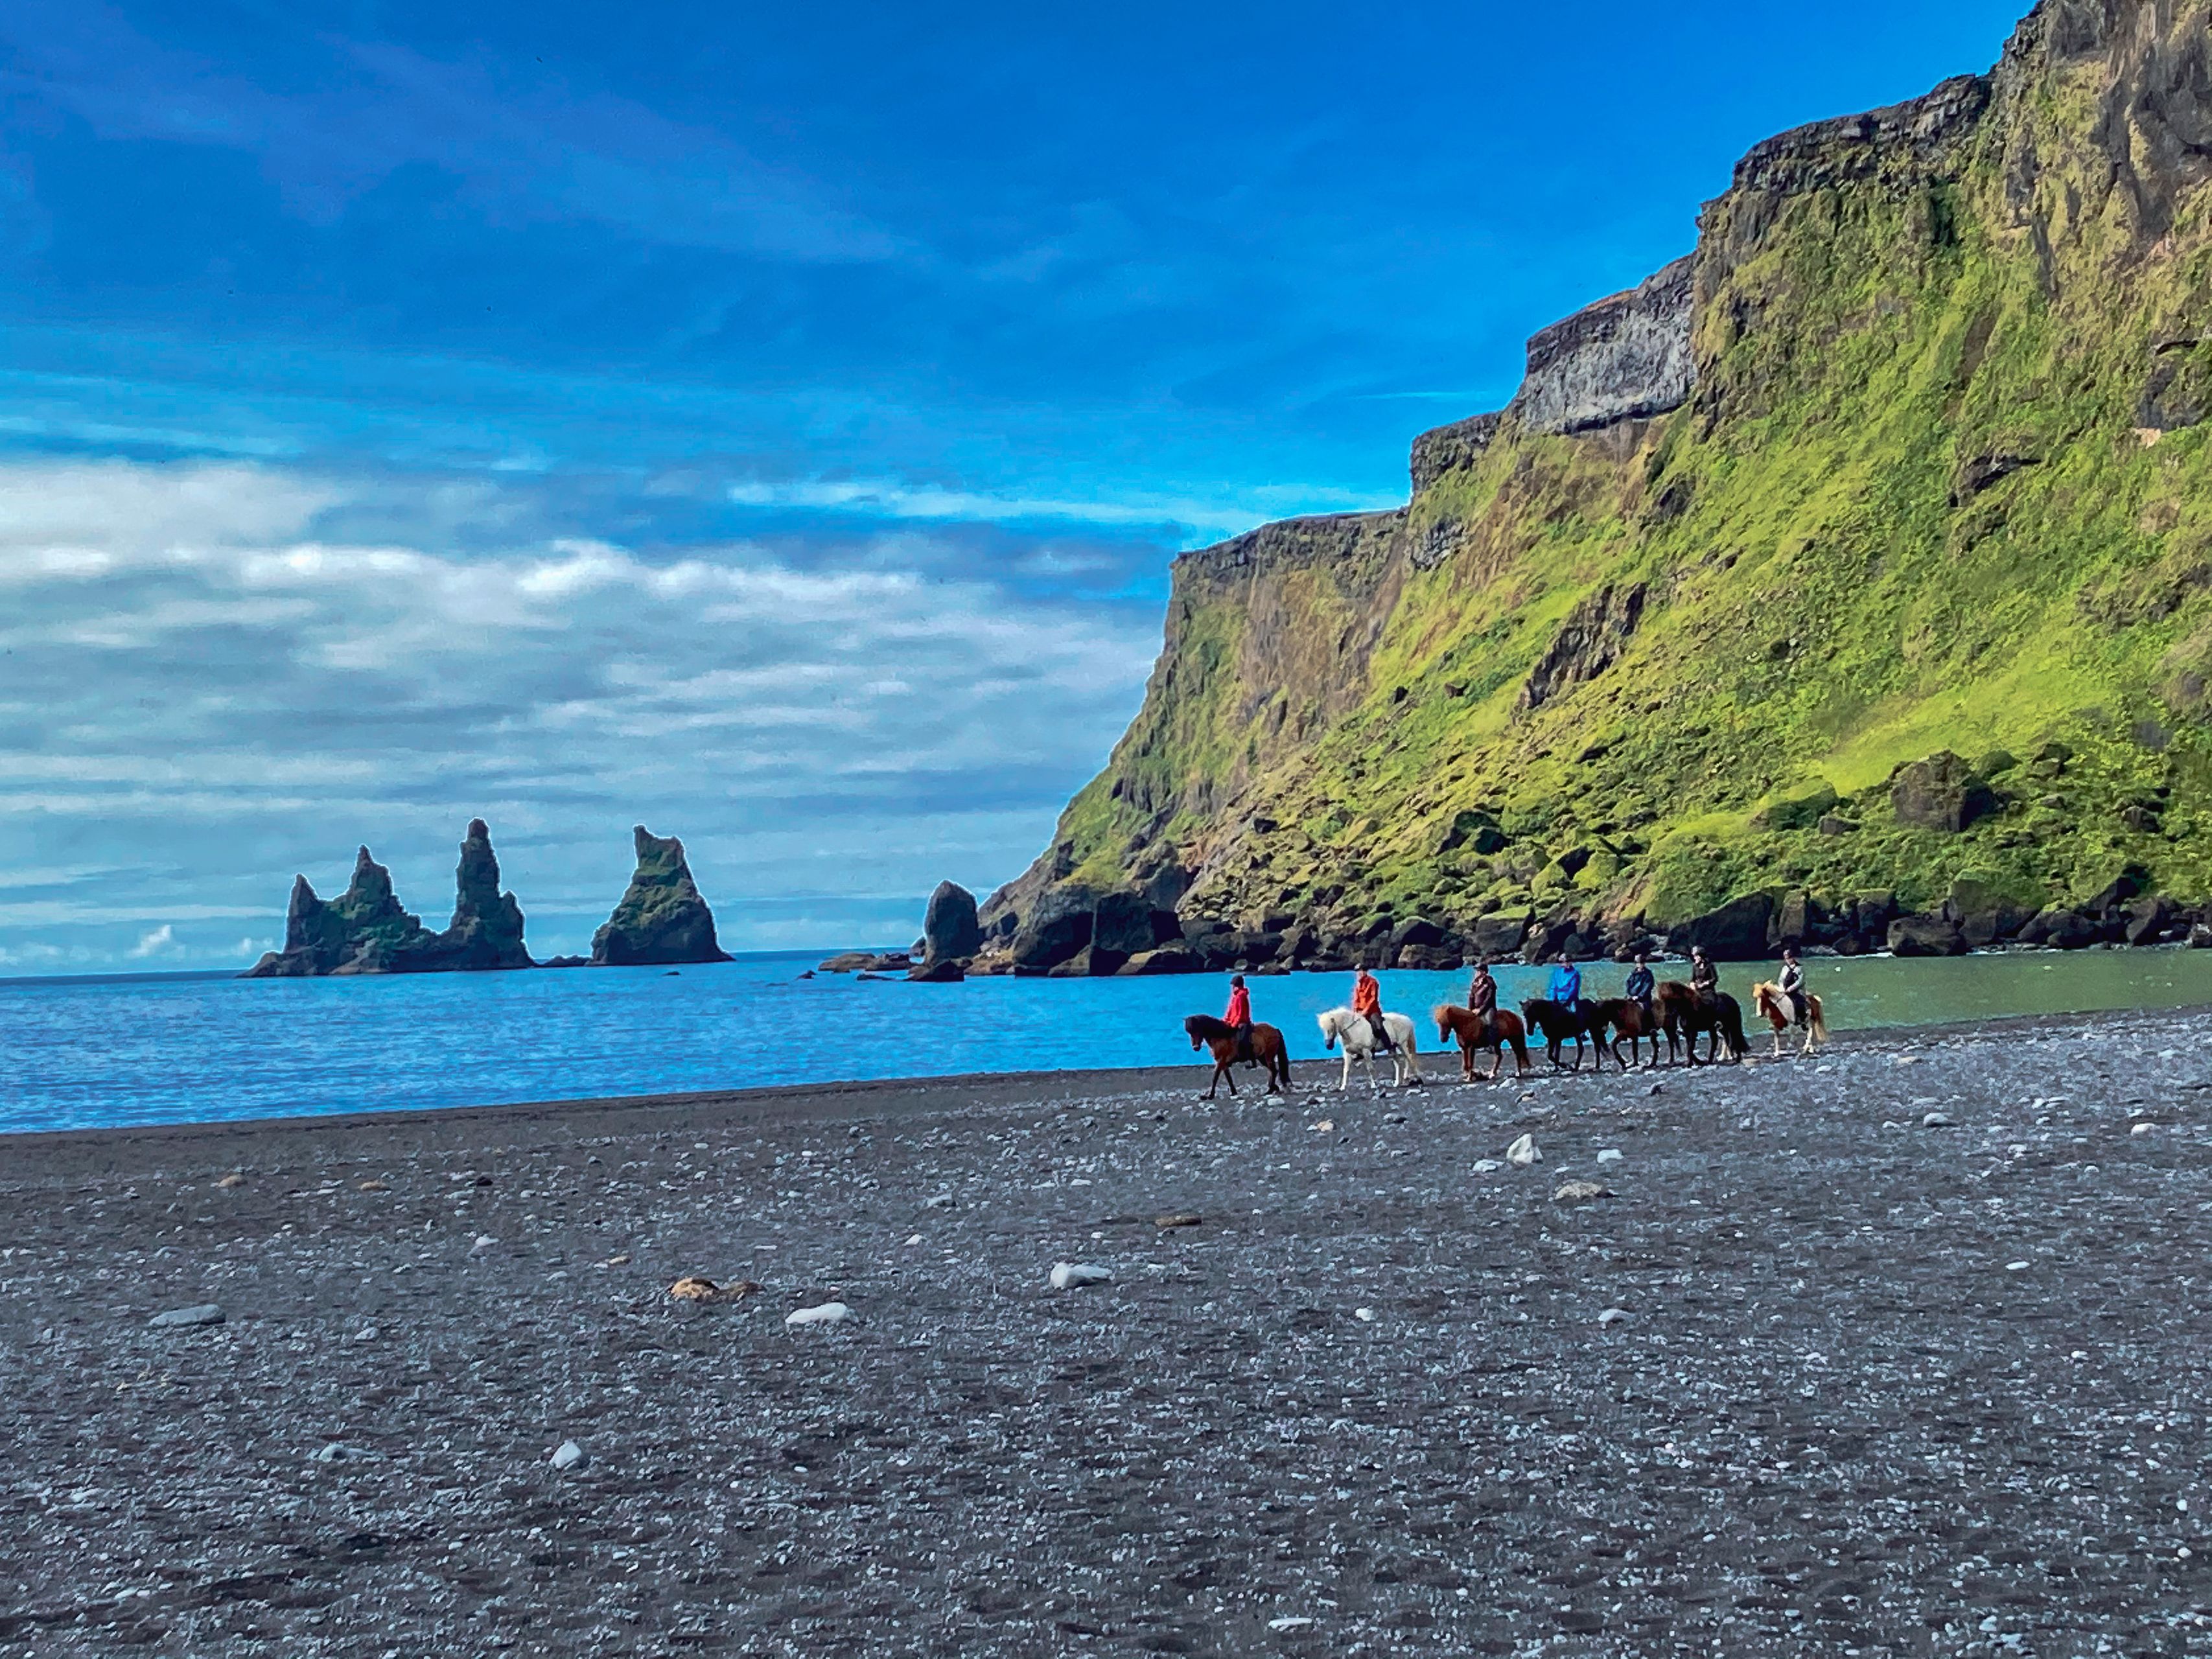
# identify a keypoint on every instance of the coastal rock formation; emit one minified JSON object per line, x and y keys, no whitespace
{"x":1902,"y":460}
{"x":948,"y":929}
{"x":365,"y":930}
{"x":1627,"y":358}
{"x":661,"y":918}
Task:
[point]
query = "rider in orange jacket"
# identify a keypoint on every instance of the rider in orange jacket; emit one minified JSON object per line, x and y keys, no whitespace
{"x":1367,"y":1003}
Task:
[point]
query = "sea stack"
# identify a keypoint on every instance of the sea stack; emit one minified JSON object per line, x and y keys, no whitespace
{"x":365,"y":930}
{"x":487,"y":925}
{"x":662,"y":918}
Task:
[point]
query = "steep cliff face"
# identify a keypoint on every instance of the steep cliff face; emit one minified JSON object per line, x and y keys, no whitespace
{"x":365,"y":930}
{"x":1905,"y":461}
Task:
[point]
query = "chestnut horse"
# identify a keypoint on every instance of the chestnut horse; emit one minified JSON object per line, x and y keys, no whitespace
{"x":1475,"y":1031}
{"x":1625,"y":1017}
{"x":1269,"y":1052}
{"x":1770,"y":1000}
{"x":1685,"y":1013}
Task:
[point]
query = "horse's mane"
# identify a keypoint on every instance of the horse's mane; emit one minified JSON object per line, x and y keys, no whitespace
{"x":1206,"y":1026}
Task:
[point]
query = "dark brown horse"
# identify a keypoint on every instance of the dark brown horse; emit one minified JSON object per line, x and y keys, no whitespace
{"x":1492,"y":1031}
{"x":1269,"y":1052}
{"x":1684,"y":1011}
{"x":1627,"y":1017}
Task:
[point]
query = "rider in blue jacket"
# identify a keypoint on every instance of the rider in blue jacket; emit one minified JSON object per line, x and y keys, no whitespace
{"x":1566,"y":988}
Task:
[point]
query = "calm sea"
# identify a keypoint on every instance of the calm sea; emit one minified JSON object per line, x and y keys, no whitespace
{"x":82,"y":1053}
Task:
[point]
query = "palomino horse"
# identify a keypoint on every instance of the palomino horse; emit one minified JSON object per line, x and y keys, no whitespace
{"x":1492,"y":1031}
{"x":1686,"y":1014}
{"x":1269,"y":1052}
{"x":1774,"y":1002}
{"x":1625,"y":1017}
{"x":1558,"y":1023}
{"x":1342,"y":1025}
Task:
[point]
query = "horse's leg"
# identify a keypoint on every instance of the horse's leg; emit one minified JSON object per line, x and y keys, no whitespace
{"x":1344,"y":1086}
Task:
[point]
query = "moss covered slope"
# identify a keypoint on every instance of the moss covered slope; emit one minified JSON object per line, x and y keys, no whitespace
{"x":1939,"y":485}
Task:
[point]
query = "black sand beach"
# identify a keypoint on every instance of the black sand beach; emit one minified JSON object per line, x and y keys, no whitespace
{"x":1880,"y":1387}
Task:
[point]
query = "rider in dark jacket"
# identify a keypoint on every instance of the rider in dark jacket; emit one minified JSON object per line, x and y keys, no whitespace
{"x":1640,"y":984}
{"x":1482,"y":993}
{"x":1705,"y":978}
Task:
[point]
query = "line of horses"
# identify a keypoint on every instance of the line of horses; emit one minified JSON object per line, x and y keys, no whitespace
{"x":1596,"y":1027}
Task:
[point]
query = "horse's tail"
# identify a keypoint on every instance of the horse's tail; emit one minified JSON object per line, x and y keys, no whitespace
{"x":1732,"y":1018}
{"x":1519,"y":1039}
{"x":1820,"y":1024}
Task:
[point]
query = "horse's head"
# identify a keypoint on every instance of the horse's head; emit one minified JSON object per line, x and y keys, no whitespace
{"x":1446,"y":1017}
{"x":1766,"y":996}
{"x":1190,"y":1030}
{"x":1329,"y":1033}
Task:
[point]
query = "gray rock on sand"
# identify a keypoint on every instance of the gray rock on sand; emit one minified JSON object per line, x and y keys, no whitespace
{"x":830,"y":1313}
{"x":1580,"y":1192}
{"x":1074,"y":1275}
{"x":1614,"y":1316}
{"x":205,"y":1313}
{"x":568,"y":1456}
{"x":1939,"y":1121}
{"x":1522,"y":1152}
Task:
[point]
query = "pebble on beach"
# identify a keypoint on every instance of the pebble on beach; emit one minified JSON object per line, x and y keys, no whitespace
{"x":1580,"y":1192}
{"x":1074,"y":1275}
{"x":568,"y":1456}
{"x":1523,"y":1152}
{"x":205,"y":1313}
{"x":830,"y":1313}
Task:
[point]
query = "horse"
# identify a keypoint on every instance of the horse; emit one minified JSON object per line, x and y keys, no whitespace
{"x":1770,"y":1000}
{"x":1558,"y":1023}
{"x":1269,"y":1052}
{"x":1625,"y":1017}
{"x":1342,"y":1025}
{"x":1494,"y":1031}
{"x":1686,"y":1013}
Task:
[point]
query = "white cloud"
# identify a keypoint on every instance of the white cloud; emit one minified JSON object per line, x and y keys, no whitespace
{"x":884,"y":498}
{"x":206,"y":690}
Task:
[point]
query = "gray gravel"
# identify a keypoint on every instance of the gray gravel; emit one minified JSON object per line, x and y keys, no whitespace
{"x":1879,"y":1389}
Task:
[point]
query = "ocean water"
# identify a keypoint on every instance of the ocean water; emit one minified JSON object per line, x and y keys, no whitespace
{"x":170,"y":1049}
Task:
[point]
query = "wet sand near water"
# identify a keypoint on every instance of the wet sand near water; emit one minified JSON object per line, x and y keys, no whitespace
{"x":1872,"y":1386}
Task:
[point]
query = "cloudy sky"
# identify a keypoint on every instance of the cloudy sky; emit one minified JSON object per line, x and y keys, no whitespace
{"x":772,"y":424}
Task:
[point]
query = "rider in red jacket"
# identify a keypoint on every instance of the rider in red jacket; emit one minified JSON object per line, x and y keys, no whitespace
{"x":1239,"y":1017}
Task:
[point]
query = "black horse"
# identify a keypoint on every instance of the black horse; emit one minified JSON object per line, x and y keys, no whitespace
{"x":1558,"y":1023}
{"x":1720,"y":1019}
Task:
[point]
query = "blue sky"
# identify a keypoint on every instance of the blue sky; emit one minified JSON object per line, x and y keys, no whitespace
{"x":773,"y":423}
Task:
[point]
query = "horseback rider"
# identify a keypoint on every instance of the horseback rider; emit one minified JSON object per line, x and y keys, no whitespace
{"x":1238,"y":1018}
{"x":1705,"y":978}
{"x":1367,"y":1003}
{"x":1482,"y":993}
{"x":1792,"y":987}
{"x":1566,"y":987}
{"x":1641,"y":986}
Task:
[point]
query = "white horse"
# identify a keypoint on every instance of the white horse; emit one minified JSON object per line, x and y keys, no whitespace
{"x":1342,"y":1025}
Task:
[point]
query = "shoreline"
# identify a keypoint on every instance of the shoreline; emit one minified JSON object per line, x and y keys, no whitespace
{"x":920,"y":1094}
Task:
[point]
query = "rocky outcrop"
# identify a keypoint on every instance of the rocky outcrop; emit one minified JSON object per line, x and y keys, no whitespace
{"x":950,"y":932}
{"x":1449,"y":448}
{"x":661,"y":918}
{"x":1942,"y":793}
{"x":365,"y":930}
{"x":1593,"y":635}
{"x":1626,"y":358}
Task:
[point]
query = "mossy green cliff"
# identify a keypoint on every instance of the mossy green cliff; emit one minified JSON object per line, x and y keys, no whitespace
{"x":1906,"y":464}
